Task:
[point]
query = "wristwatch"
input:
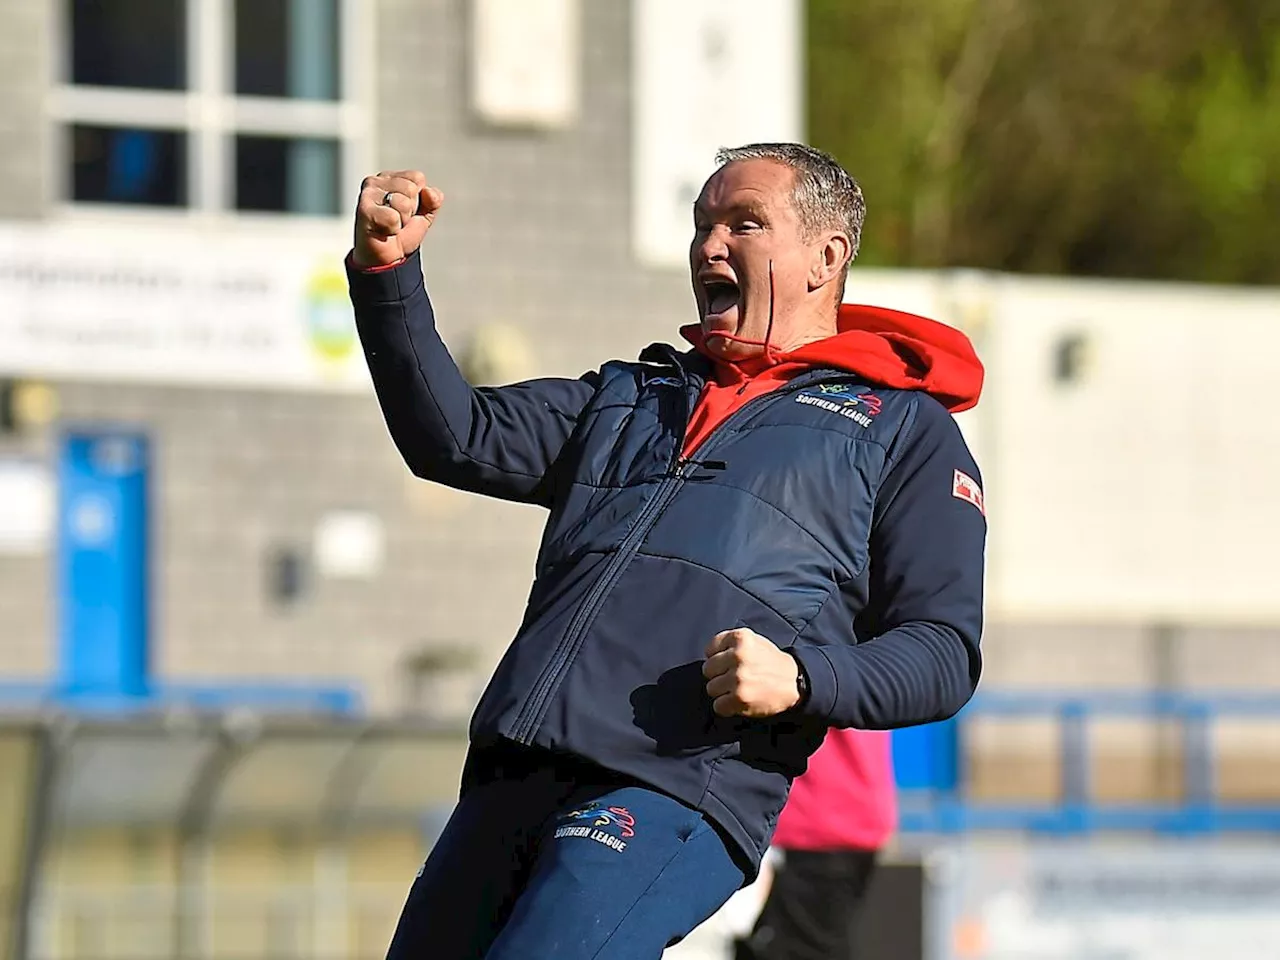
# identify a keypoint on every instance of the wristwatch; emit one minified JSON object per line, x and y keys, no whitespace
{"x":802,"y":683}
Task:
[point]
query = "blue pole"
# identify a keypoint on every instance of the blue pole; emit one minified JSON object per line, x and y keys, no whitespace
{"x":102,"y":564}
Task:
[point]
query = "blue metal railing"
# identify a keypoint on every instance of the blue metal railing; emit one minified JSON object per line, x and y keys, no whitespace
{"x":931,"y":763}
{"x":327,"y":699}
{"x":931,"y":760}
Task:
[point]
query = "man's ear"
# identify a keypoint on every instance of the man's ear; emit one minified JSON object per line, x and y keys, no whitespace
{"x":830,"y":258}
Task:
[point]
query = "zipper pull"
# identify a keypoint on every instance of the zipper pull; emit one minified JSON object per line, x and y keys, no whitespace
{"x":705,"y":464}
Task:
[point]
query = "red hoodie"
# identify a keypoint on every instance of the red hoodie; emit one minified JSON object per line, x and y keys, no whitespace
{"x":846,"y":799}
{"x":885,"y":347}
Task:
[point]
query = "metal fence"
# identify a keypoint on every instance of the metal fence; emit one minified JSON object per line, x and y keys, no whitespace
{"x":1181,"y":738}
{"x":192,"y":836}
{"x":231,"y":836}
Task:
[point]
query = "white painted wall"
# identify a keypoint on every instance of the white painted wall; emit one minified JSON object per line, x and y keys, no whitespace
{"x":1147,"y":488}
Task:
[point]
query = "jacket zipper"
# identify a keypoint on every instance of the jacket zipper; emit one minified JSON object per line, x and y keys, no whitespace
{"x":533,"y":712}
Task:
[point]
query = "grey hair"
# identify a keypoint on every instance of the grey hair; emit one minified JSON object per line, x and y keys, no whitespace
{"x":825,"y":197}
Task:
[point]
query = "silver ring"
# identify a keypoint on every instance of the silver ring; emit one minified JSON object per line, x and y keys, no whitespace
{"x":386,"y":199}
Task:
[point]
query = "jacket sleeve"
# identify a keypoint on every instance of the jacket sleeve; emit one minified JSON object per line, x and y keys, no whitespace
{"x":498,"y":441}
{"x":923,"y":618}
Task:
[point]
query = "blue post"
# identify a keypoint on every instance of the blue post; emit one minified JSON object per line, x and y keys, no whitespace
{"x":927,"y":757}
{"x":1198,"y":788}
{"x":102,"y":577}
{"x":1074,"y":731}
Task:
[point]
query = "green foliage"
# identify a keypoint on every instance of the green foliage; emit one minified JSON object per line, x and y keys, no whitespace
{"x":1057,"y":136}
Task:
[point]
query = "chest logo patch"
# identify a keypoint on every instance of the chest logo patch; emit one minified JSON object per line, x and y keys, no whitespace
{"x":841,"y":399}
{"x":649,"y":380}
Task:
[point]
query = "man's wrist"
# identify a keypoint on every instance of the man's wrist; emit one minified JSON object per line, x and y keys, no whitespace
{"x":356,"y":264}
{"x":802,"y":683}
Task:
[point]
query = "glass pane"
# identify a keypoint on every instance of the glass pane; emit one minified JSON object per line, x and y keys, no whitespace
{"x":127,"y":778}
{"x":286,"y":174}
{"x":287,"y":48}
{"x":283,"y":778}
{"x":126,"y":165}
{"x":401,"y":777}
{"x":129,"y":43}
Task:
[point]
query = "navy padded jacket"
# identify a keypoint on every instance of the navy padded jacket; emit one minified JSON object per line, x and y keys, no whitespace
{"x":837,"y":538}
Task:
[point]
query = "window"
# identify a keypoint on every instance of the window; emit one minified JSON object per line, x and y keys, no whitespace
{"x":128,"y":165}
{"x":280,"y":53}
{"x":129,"y":43}
{"x":211,"y":105}
{"x":287,"y":174}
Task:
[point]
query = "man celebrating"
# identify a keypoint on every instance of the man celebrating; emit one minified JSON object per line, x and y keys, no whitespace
{"x":777,"y":531}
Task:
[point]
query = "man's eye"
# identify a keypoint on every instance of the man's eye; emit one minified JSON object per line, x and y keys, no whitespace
{"x":747,"y":226}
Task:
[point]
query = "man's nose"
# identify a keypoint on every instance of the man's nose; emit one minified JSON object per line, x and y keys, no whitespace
{"x":713,"y":246}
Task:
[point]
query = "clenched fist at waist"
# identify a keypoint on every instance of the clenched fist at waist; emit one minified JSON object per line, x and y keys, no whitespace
{"x":750,"y":676}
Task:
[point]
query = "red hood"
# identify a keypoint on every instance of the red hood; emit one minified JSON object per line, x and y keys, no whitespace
{"x":887,"y":347}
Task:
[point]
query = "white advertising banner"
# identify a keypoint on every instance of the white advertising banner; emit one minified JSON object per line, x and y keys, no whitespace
{"x":176,"y":306}
{"x":1119,"y":901}
{"x":705,"y":76}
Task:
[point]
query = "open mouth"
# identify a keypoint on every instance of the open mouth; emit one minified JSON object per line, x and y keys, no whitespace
{"x":721,"y":295}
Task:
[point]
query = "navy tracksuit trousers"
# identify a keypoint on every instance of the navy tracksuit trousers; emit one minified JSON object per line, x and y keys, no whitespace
{"x":548,"y":857}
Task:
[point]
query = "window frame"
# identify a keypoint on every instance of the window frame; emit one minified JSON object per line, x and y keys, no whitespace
{"x":211,"y":114}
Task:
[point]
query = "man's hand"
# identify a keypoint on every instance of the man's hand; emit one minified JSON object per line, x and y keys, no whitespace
{"x":394,"y":213}
{"x":748,"y":676}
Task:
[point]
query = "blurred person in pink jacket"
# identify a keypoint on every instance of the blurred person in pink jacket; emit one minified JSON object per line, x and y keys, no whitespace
{"x":840,"y":813}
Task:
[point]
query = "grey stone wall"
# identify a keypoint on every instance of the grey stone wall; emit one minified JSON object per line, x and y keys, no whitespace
{"x":535,"y":236}
{"x":24,"y":133}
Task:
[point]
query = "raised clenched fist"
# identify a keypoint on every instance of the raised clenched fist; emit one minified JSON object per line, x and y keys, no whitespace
{"x":749,"y":676}
{"x":394,"y":213}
